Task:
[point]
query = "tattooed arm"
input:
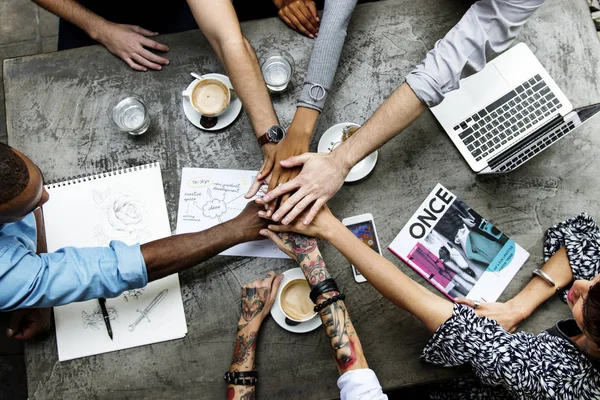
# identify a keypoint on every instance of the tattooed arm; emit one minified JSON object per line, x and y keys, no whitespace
{"x":346,"y":347}
{"x":257,"y":299}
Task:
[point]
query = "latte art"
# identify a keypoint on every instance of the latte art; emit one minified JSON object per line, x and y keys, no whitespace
{"x":295,"y":300}
{"x":210,"y":97}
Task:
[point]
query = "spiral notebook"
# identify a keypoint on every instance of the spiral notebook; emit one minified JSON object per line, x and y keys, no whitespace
{"x":126,"y":205}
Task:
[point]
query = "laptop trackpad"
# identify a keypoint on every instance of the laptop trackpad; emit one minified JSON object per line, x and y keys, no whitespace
{"x":476,"y":92}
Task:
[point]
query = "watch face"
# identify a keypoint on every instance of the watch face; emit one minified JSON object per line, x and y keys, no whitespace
{"x":276,"y":133}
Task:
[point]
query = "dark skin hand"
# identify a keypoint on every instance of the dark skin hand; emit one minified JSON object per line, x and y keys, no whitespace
{"x":300,"y":15}
{"x":176,"y":253}
{"x":28,"y":323}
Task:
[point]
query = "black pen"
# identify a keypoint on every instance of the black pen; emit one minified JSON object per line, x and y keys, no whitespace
{"x":102,"y":302}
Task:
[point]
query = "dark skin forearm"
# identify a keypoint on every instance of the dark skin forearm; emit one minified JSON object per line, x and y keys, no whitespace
{"x":176,"y":253}
{"x":345,"y":344}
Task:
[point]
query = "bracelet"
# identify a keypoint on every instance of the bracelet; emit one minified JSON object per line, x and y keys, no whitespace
{"x":544,"y":276}
{"x":246,"y":378}
{"x":328,"y":285}
{"x":329,"y":301}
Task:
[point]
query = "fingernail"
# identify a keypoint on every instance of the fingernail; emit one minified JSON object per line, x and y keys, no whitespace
{"x":9,"y":332}
{"x":311,"y":36}
{"x":263,"y":232}
{"x":270,"y":226}
{"x":285,"y":222}
{"x":168,"y":62}
{"x":269,"y":213}
{"x":159,"y":68}
{"x":275,"y":216}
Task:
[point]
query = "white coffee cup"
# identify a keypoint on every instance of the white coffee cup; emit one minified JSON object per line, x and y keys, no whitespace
{"x":294,"y":300}
{"x":209,"y":96}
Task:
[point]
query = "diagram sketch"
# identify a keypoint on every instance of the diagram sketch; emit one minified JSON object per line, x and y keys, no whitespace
{"x":212,"y":196}
{"x":124,"y":217}
{"x":144,"y":313}
{"x":95,"y":319}
{"x":133,"y":294}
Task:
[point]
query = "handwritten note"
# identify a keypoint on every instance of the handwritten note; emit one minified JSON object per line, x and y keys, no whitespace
{"x":209,"y":197}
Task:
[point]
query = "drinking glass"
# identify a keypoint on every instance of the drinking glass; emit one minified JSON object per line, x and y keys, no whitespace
{"x":277,"y":69}
{"x":131,"y":115}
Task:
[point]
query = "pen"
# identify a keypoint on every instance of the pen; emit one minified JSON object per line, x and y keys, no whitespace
{"x":102,"y":302}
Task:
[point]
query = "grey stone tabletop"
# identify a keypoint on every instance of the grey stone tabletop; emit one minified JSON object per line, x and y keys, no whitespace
{"x":57,"y":113}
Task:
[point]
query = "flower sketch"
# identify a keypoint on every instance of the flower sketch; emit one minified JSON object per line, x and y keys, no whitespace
{"x":124,"y":217}
{"x":95,"y":319}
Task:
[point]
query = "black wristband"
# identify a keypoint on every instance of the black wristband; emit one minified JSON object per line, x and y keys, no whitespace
{"x":328,"y":285}
{"x":329,"y":301}
{"x":246,"y":378}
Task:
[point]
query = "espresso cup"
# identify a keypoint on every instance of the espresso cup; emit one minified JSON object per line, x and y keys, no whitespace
{"x":209,"y":96}
{"x":295,"y":302}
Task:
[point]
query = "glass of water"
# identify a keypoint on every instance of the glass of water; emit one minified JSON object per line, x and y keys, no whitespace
{"x":277,"y":69}
{"x":131,"y":115}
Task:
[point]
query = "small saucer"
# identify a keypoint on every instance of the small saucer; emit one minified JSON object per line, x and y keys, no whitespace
{"x":279,"y":316}
{"x":225,"y":119}
{"x":333,"y":138}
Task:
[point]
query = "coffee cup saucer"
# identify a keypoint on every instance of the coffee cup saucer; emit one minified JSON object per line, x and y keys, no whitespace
{"x":332,"y":137}
{"x":225,"y":119}
{"x":279,"y":316}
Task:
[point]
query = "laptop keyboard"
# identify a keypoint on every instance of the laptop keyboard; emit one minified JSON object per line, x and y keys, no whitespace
{"x":507,"y":118}
{"x":535,"y":147}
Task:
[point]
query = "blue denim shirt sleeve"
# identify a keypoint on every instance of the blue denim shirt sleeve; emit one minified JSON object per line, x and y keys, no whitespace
{"x":65,"y":276}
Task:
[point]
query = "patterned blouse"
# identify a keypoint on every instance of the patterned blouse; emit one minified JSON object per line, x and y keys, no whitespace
{"x":522,"y":365}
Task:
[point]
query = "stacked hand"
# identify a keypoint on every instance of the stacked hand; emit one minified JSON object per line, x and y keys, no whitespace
{"x":27,"y":323}
{"x":300,"y":15}
{"x":257,"y":299}
{"x":130,"y":43}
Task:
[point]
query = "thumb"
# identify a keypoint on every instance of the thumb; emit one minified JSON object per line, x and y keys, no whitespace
{"x":15,"y":323}
{"x":296,"y":160}
{"x":277,"y":240}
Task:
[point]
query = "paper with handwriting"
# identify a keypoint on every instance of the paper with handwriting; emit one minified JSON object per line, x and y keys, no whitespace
{"x":209,"y":197}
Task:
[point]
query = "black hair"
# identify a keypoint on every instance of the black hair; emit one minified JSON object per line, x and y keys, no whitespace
{"x":591,"y":314}
{"x":14,"y":175}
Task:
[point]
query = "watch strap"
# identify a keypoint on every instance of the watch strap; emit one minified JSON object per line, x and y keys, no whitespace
{"x":264,"y":139}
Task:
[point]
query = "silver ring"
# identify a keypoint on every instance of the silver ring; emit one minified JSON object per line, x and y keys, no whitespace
{"x":476,"y":304}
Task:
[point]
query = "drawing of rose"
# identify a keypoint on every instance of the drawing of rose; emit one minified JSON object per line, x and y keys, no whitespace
{"x":124,"y":217}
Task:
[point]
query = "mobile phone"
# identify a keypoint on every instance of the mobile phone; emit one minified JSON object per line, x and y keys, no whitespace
{"x":363,"y":227}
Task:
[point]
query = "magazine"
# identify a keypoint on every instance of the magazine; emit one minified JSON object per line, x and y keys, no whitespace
{"x":457,"y":250}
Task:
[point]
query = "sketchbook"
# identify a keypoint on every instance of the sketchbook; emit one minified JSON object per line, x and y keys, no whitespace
{"x":126,"y":205}
{"x":209,"y":197}
{"x":456,"y":250}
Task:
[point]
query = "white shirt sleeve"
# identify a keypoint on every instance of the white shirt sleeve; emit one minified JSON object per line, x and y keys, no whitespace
{"x":488,"y":27}
{"x":360,"y":384}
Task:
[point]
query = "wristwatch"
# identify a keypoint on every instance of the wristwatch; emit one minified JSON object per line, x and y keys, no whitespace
{"x":273,"y":135}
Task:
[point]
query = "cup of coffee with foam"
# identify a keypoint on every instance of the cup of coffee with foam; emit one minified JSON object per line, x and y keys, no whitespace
{"x":295,"y":301}
{"x":209,"y":96}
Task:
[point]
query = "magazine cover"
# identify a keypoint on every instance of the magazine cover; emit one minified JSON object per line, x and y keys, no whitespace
{"x":457,"y":250}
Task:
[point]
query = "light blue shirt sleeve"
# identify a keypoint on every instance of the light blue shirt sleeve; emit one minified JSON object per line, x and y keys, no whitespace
{"x":65,"y":276}
{"x":488,"y":27}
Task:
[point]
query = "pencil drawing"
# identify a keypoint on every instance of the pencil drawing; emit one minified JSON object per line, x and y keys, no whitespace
{"x":133,"y":294}
{"x":144,"y":313}
{"x":95,"y":319}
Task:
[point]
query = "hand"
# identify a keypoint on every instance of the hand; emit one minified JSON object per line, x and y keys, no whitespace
{"x":321,"y":177}
{"x":129,"y":43}
{"x":508,"y":315}
{"x":28,"y":323}
{"x":257,"y":299}
{"x":300,"y":15}
{"x":248,"y":223}
{"x":322,"y":226}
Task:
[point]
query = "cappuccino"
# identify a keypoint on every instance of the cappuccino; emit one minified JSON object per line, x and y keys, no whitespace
{"x":210,"y":97}
{"x":295,"y":300}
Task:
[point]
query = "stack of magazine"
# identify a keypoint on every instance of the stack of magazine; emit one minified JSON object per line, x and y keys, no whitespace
{"x":457,"y":250}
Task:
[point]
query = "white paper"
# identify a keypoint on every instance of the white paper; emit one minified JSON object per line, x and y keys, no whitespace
{"x":130,"y":207}
{"x":209,"y":197}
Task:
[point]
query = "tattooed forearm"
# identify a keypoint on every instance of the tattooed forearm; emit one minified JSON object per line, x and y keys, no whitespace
{"x":244,"y":345}
{"x":301,"y":245}
{"x":251,"y":395}
{"x":253,"y":302}
{"x":336,"y":320}
{"x":315,"y":271}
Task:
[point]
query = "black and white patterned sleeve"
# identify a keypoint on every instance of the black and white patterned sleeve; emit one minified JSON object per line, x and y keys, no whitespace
{"x":498,"y":358}
{"x":579,"y":235}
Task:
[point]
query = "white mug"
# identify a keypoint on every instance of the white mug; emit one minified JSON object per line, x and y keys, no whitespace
{"x":205,"y":81}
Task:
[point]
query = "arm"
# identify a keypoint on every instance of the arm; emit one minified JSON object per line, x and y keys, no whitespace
{"x":384,"y":276}
{"x":77,"y":274}
{"x":219,"y":23}
{"x":257,"y":299}
{"x":300,"y":15}
{"x":127,"y":42}
{"x":489,"y":26}
{"x":323,"y":64}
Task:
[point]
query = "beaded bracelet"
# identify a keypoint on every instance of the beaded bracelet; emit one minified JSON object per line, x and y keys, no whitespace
{"x":329,"y":301}
{"x":328,"y":285}
{"x":246,"y":378}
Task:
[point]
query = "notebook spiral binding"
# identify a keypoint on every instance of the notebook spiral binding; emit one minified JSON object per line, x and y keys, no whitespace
{"x":73,"y":180}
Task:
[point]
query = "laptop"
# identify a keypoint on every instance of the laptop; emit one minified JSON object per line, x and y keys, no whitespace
{"x":507,"y":113}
